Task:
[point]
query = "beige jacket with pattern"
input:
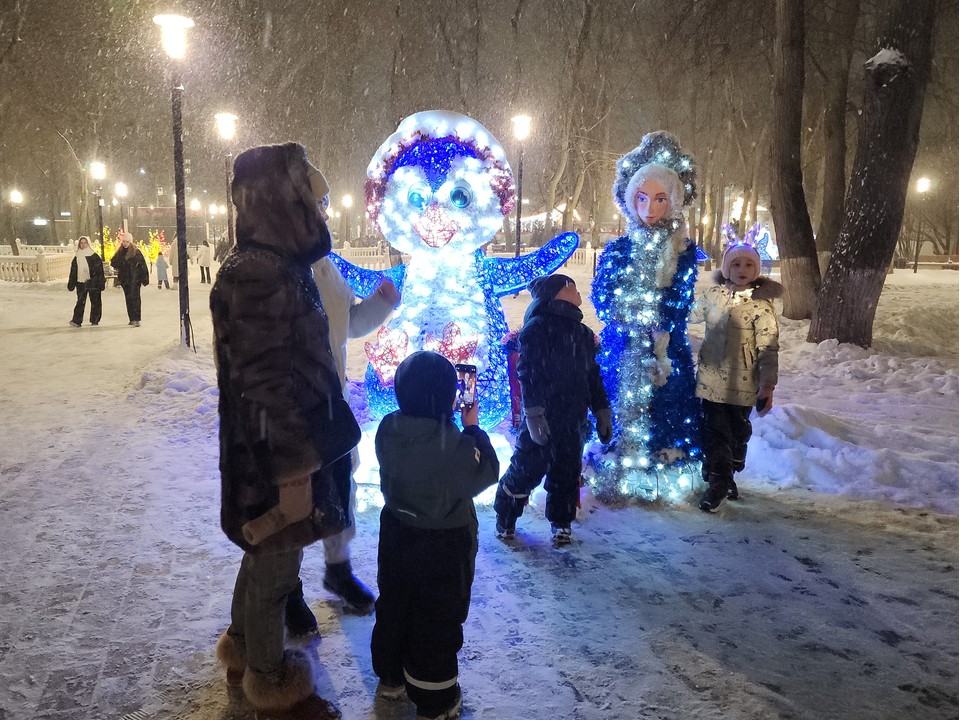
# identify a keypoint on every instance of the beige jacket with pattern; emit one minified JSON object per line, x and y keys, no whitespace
{"x":741,"y":341}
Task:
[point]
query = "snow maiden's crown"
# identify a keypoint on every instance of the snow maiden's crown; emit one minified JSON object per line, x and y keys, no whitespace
{"x":659,"y":156}
{"x":444,"y":135}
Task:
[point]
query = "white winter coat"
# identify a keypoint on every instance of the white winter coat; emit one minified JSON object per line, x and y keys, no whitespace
{"x":347,"y":317}
{"x":740,"y":343}
{"x":204,"y":256}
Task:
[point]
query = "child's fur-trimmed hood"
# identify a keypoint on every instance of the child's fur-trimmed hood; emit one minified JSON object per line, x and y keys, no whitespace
{"x":764,"y":288}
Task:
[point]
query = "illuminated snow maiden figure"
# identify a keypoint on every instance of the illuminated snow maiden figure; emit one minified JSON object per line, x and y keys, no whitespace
{"x":643,"y":291}
{"x":438,"y":189}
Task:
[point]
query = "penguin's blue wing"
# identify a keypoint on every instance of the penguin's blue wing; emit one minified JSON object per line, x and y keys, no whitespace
{"x":363,"y":281}
{"x":511,"y":275}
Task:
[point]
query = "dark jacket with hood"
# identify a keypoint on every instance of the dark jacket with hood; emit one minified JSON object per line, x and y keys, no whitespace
{"x":557,"y":365}
{"x":275,"y":371}
{"x":430,"y":471}
{"x":131,"y":267}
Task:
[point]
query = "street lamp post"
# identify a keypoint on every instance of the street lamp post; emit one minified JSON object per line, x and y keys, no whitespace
{"x":521,"y":130}
{"x":923,"y":186}
{"x":122,"y":192}
{"x":16,"y":199}
{"x":173,"y":29}
{"x":99,"y":171}
{"x":347,"y":202}
{"x":227,"y":126}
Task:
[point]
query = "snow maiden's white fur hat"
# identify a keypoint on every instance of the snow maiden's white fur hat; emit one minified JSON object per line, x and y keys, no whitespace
{"x":658,"y":157}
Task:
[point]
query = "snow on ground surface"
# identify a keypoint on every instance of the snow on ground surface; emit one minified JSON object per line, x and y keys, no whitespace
{"x":830,"y":591}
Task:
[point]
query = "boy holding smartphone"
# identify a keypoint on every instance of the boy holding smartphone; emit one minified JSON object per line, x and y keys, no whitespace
{"x":559,"y":380}
{"x":430,"y":471}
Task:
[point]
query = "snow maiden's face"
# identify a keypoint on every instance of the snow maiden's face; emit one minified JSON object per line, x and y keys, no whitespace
{"x":440,"y":195}
{"x":652,"y":202}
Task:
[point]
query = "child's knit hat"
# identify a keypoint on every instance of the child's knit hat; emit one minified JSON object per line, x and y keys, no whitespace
{"x":739,"y":249}
{"x":426,"y":385}
{"x":546,"y":287}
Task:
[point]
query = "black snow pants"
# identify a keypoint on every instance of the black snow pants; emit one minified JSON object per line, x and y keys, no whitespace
{"x":131,"y":294}
{"x":560,"y":460}
{"x":425,"y":577}
{"x":96,"y":305}
{"x":726,"y":431}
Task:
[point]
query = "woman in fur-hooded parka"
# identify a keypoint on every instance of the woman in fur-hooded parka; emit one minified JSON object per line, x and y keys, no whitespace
{"x":276,"y":372}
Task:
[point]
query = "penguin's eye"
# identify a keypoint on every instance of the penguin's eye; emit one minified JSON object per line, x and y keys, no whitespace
{"x":461,"y":196}
{"x":418,"y":196}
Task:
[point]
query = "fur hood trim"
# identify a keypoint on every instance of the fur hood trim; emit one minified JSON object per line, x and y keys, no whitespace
{"x":764,"y":288}
{"x":276,"y":204}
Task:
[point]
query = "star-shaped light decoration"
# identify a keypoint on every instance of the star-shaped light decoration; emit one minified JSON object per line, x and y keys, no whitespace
{"x":391,"y":348}
{"x":453,"y":345}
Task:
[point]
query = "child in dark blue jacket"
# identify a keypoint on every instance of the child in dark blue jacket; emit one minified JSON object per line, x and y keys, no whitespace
{"x":559,"y":380}
{"x":430,"y":472}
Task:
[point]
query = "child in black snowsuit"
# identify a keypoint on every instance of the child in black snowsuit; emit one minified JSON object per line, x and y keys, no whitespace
{"x":559,"y":379}
{"x":430,"y":472}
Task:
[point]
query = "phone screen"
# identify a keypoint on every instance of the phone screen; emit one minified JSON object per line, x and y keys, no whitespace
{"x":466,"y":386}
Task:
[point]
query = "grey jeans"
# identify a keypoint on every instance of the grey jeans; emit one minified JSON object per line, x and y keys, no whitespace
{"x":259,"y":599}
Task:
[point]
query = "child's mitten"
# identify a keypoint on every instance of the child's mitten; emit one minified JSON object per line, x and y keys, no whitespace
{"x":604,"y":424}
{"x":537,"y":425}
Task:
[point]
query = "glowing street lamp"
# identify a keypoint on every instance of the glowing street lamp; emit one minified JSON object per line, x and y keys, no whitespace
{"x":347,"y":202}
{"x":521,"y":131}
{"x":195,"y":205}
{"x":227,"y":127}
{"x":923,"y":187}
{"x":16,"y":199}
{"x":98,"y":171}
{"x":122,"y":191}
{"x":173,"y":37}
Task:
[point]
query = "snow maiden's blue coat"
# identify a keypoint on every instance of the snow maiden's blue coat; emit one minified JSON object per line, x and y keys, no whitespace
{"x":643,"y":291}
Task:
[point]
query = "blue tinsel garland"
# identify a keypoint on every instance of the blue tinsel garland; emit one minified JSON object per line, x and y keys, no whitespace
{"x":655,"y":451}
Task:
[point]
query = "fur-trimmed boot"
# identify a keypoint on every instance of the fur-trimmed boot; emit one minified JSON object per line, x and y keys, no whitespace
{"x":232,"y":652}
{"x":284,"y":694}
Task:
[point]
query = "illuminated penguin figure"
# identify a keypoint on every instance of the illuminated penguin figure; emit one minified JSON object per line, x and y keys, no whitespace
{"x":438,"y":189}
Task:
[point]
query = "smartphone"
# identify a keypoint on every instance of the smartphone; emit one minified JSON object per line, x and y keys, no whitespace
{"x":466,"y":386}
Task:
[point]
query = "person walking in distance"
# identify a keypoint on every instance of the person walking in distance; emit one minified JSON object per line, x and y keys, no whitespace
{"x":132,"y":274}
{"x":87,"y":278}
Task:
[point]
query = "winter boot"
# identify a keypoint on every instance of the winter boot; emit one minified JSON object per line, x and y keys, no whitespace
{"x":450,"y":713}
{"x":714,"y":494}
{"x":506,"y":527}
{"x":340,"y":580}
{"x":561,"y":535}
{"x":287,"y":693}
{"x":232,"y":652}
{"x":298,"y":618}
{"x":391,"y":692}
{"x":732,"y":492}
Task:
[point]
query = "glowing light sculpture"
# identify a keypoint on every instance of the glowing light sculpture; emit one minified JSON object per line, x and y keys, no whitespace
{"x":438,"y":189}
{"x":643,"y":291}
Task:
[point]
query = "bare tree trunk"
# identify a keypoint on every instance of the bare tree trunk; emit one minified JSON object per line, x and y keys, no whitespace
{"x":567,"y":108}
{"x":843,"y":21}
{"x":895,"y":84}
{"x":798,"y":257}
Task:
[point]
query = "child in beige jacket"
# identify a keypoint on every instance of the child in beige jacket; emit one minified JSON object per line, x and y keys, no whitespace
{"x":737,"y":365}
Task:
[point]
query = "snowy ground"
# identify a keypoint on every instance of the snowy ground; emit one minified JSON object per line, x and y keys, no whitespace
{"x":830,"y":591}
